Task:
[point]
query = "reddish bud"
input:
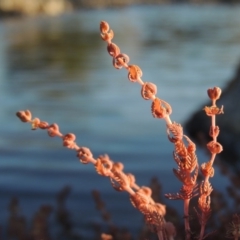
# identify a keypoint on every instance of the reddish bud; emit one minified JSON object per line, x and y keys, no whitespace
{"x":134,"y":73}
{"x":24,"y":116}
{"x":149,"y":90}
{"x":214,"y":93}
{"x":35,"y":123}
{"x":160,"y":108}
{"x":68,"y":140}
{"x":113,"y":49}
{"x":108,"y":36}
{"x":120,"y":60}
{"x":53,"y":130}
{"x":104,"y":27}
{"x":84,"y":154}
{"x":214,"y":147}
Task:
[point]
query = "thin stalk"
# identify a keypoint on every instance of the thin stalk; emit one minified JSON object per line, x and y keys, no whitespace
{"x":202,"y":231}
{"x":186,"y":219}
{"x":160,"y":235}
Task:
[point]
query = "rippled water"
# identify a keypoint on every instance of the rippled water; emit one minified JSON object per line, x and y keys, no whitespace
{"x":60,"y":70}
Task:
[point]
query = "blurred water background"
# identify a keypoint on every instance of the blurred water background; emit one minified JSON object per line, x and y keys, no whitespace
{"x":58,"y":67}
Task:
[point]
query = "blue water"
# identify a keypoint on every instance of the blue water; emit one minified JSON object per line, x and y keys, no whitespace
{"x":58,"y":67}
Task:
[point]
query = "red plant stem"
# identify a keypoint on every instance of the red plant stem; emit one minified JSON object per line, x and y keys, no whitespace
{"x":202,"y":231}
{"x":186,"y":219}
{"x":160,"y":235}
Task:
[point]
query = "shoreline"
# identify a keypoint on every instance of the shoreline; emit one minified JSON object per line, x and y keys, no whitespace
{"x":22,"y":8}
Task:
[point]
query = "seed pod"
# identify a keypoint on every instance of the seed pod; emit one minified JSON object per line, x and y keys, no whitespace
{"x":43,"y":125}
{"x":149,"y":90}
{"x":53,"y":130}
{"x":68,"y":140}
{"x":214,"y":131}
{"x":160,"y":108}
{"x":113,"y":49}
{"x":104,"y":165}
{"x":207,"y":170}
{"x":24,"y":116}
{"x":108,"y":36}
{"x":214,"y":93}
{"x":84,"y":154}
{"x":214,"y":147}
{"x":120,"y":60}
{"x":104,"y":27}
{"x":134,"y":73}
{"x":35,"y":123}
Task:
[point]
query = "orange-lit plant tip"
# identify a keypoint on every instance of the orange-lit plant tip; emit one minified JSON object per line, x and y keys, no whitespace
{"x":104,"y":27}
{"x":214,"y":147}
{"x":24,"y":116}
{"x":214,"y":93}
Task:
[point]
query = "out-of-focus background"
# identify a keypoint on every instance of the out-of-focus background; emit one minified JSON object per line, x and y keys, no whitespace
{"x":53,"y":62}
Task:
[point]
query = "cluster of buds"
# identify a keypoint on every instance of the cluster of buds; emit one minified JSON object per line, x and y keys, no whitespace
{"x":207,"y":169}
{"x":140,"y":197}
{"x":213,"y":146}
{"x":159,"y":108}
